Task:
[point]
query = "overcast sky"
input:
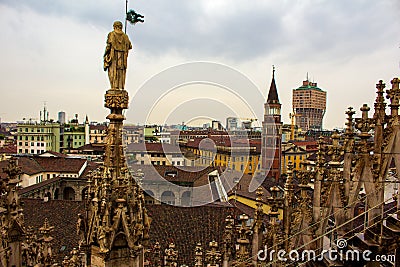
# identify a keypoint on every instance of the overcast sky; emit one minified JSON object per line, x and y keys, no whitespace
{"x":52,"y":50}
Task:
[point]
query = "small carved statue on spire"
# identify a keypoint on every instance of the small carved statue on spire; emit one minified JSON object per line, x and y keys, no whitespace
{"x":116,"y":56}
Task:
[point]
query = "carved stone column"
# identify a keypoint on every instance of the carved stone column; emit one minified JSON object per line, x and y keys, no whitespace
{"x":117,"y":221}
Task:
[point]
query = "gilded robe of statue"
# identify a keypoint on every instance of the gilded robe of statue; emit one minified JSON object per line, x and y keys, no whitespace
{"x":116,"y":56}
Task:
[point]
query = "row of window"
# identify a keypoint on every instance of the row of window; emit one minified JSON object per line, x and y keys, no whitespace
{"x":177,"y":163}
{"x":79,"y":137}
{"x":31,"y":144}
{"x":32,"y":151}
{"x":38,"y":130}
{"x":38,"y":138}
{"x":294,"y":158}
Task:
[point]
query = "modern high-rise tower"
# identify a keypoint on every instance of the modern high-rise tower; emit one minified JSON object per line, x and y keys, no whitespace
{"x":271,"y":139}
{"x":309,"y":105}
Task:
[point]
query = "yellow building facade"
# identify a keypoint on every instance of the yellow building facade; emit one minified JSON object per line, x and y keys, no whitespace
{"x":243,"y":159}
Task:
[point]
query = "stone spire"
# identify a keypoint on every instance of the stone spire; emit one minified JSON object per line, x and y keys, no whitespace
{"x":213,"y":255}
{"x":227,"y":249}
{"x":171,"y":256}
{"x":273,"y":92}
{"x":12,"y":222}
{"x":288,"y":203}
{"x":198,"y":258}
{"x":117,"y":224}
{"x":243,"y":258}
{"x":258,"y":226}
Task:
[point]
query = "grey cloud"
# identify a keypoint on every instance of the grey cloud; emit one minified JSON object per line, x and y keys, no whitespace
{"x":244,"y":31}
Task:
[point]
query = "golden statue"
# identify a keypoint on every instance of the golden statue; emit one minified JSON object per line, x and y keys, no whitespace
{"x":116,"y":56}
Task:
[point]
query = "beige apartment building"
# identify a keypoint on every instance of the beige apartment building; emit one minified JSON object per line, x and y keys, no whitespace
{"x":309,"y":105}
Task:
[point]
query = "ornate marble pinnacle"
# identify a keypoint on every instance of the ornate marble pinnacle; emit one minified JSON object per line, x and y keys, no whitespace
{"x":115,"y":212}
{"x":171,"y":256}
{"x":274,"y":201}
{"x":380,"y":104}
{"x":213,"y":255}
{"x":289,"y":180}
{"x":394,"y":96}
{"x":364,"y":125}
{"x":349,"y":124}
{"x":335,"y":150}
{"x":228,"y":238}
{"x":198,"y":252}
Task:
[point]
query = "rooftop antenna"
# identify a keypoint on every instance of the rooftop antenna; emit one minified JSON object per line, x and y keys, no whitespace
{"x":45,"y":112}
{"x":307,"y":76}
{"x":273,"y":71}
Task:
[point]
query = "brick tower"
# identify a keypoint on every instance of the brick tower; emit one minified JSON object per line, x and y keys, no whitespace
{"x":271,"y":146}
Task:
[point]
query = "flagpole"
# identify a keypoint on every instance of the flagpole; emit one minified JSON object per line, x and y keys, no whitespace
{"x":126,"y":13}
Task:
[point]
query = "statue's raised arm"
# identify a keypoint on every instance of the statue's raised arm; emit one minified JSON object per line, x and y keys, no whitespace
{"x":116,"y":56}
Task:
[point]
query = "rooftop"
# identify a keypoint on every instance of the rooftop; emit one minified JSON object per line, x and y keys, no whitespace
{"x":307,"y":85}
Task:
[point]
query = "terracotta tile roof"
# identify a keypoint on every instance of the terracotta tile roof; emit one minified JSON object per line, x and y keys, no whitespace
{"x":72,"y":165}
{"x":196,"y":224}
{"x":199,"y":132}
{"x":172,"y":173}
{"x":309,"y":145}
{"x":56,"y":154}
{"x":247,"y":186}
{"x":98,"y":127}
{"x":92,"y":147}
{"x":211,"y":143}
{"x":36,"y":164}
{"x":242,"y":207}
{"x":29,"y":166}
{"x":153,"y":147}
{"x":62,"y":214}
{"x":9,"y":149}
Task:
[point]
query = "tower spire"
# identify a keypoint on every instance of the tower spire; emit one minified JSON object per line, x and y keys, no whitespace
{"x":273,"y":92}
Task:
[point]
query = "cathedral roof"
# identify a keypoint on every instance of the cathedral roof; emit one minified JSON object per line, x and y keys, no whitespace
{"x":183,"y":226}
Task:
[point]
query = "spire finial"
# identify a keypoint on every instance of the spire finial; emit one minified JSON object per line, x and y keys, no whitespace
{"x":307,"y":76}
{"x":273,"y":71}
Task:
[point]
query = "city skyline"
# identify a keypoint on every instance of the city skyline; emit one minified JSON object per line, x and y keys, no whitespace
{"x":53,"y":51}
